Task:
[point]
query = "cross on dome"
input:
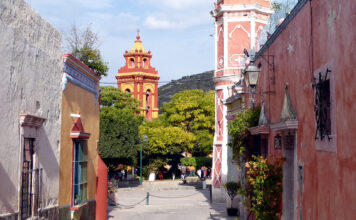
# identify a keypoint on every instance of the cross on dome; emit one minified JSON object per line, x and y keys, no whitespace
{"x":138,"y":34}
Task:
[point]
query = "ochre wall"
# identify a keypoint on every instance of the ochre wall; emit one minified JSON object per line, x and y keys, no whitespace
{"x":76,"y":99}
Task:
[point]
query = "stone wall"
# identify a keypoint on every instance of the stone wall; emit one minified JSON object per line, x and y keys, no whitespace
{"x":30,"y":67}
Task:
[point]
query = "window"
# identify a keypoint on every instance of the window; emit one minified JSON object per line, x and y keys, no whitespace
{"x":144,"y":64}
{"x":132,"y":62}
{"x":322,"y":106}
{"x":127,"y":91}
{"x":324,"y":109}
{"x":80,"y":164}
{"x":26,"y":186}
{"x":260,"y":146}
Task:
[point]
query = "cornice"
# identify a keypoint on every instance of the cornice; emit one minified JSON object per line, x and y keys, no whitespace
{"x":242,"y":7}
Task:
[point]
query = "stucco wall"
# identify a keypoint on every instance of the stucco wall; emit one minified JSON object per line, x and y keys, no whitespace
{"x":76,"y":99}
{"x":30,"y":50}
{"x":315,"y":38}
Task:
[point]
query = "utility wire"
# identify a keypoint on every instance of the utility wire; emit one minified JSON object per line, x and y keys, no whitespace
{"x":172,"y":81}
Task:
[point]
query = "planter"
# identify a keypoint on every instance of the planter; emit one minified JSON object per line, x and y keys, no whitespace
{"x":233,"y":211}
{"x":152,"y":177}
{"x":113,"y":198}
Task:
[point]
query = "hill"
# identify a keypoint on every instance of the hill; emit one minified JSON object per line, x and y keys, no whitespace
{"x":202,"y":81}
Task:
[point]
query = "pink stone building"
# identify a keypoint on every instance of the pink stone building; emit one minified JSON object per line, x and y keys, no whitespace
{"x":311,"y":121}
{"x":237,"y":25}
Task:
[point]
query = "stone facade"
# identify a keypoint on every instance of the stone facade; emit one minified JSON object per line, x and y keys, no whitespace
{"x":30,"y":91}
{"x":237,"y":26}
{"x":313,"y":45}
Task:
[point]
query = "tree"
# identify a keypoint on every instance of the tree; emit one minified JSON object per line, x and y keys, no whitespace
{"x":164,"y":143}
{"x":119,"y":127}
{"x":84,"y":46}
{"x":193,"y":111}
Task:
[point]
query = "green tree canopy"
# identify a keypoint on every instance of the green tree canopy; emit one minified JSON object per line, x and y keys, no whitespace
{"x":193,"y":111}
{"x":83,"y":44}
{"x":119,"y":126}
{"x":164,"y":143}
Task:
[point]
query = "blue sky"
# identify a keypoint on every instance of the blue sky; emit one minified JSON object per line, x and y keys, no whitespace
{"x":176,"y":31}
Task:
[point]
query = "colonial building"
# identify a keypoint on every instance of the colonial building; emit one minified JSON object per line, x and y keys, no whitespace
{"x":79,"y":159}
{"x":237,"y":25}
{"x":140,"y":79}
{"x":30,"y":110}
{"x":309,"y":103}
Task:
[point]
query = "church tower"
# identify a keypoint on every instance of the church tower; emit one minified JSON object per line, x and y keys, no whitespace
{"x":237,"y":26}
{"x":140,"y":79}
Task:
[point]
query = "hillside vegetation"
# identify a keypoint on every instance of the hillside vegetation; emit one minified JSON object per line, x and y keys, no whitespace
{"x":202,"y":81}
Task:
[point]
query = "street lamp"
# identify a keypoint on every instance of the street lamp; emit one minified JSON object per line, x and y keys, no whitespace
{"x":144,"y":139}
{"x":251,"y":75}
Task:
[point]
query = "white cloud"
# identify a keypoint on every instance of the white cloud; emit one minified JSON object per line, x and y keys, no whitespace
{"x":74,"y":4}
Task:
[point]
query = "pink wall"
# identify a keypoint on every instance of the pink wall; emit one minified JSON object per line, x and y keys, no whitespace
{"x":313,"y":39}
{"x":101,"y":191}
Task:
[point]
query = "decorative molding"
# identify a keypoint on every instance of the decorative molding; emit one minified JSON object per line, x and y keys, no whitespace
{"x":237,"y":60}
{"x":241,"y":7}
{"x":239,"y":26}
{"x":234,"y":78}
{"x":218,"y":34}
{"x":288,"y":112}
{"x":285,"y":125}
{"x":263,"y":119}
{"x":27,"y":120}
{"x":258,"y":130}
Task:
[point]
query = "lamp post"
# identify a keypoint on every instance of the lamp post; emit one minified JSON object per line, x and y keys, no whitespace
{"x":144,"y":139}
{"x":251,"y":74}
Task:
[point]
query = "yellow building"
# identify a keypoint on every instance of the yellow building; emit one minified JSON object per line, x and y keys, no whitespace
{"x":140,"y":79}
{"x":79,"y":140}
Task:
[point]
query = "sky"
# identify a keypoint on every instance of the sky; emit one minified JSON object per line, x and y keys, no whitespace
{"x":179,"y":33}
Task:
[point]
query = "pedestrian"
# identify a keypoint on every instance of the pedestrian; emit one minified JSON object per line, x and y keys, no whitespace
{"x":199,"y":173}
{"x":182,"y":176}
{"x":208,"y":172}
{"x":203,"y":172}
{"x":125,"y":174}
{"x":119,"y":174}
{"x":160,"y":175}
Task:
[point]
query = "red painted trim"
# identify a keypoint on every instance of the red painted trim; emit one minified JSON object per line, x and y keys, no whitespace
{"x":80,"y":63}
{"x":76,"y":208}
{"x":71,"y":190}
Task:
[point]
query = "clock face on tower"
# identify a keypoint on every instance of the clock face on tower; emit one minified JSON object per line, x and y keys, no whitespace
{"x":221,"y":62}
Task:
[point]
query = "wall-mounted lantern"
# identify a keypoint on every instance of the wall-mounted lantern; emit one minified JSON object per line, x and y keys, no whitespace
{"x":251,"y":74}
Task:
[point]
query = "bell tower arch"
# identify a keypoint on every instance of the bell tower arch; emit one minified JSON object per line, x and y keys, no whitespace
{"x":140,"y":79}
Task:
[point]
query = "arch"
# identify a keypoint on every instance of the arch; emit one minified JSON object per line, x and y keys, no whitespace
{"x":132,"y":62}
{"x":145,"y":63}
{"x":148,"y":107}
{"x":128,"y":91}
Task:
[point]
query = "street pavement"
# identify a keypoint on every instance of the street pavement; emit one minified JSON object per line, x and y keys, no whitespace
{"x":171,"y":203}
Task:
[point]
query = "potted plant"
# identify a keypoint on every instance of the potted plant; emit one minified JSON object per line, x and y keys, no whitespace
{"x":112,"y":195}
{"x":231,"y":189}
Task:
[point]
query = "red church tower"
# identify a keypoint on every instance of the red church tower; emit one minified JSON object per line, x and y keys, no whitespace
{"x":140,"y":79}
